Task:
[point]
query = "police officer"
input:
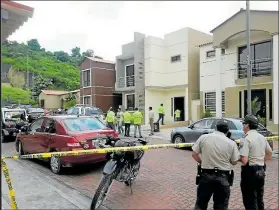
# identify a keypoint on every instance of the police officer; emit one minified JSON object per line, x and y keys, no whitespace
{"x":217,"y":155}
{"x":254,"y":151}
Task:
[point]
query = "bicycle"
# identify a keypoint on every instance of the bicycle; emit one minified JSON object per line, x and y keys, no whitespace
{"x":121,"y":166}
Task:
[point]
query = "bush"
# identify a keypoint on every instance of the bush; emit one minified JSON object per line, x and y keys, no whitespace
{"x":207,"y":113}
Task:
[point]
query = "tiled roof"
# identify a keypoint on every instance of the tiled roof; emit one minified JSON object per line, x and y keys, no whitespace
{"x":205,"y":44}
{"x":100,"y":60}
{"x":54,"y":92}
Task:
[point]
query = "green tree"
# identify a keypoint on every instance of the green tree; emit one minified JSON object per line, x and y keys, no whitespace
{"x":33,"y":44}
{"x":76,"y":52}
{"x":40,"y":83}
{"x":62,"y":56}
{"x":207,"y":113}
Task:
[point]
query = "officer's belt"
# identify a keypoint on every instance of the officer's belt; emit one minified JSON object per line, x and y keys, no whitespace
{"x":214,"y":171}
{"x":255,"y":167}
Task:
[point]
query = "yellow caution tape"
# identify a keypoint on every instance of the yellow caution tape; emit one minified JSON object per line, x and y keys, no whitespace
{"x":9,"y":183}
{"x":95,"y":151}
{"x":270,"y":138}
{"x":86,"y":152}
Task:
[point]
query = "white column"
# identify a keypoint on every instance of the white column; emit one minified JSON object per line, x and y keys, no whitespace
{"x":275,"y":79}
{"x":218,"y":88}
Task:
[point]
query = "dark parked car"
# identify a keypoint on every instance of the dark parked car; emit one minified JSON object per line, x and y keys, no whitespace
{"x":62,"y":133}
{"x":34,"y":113}
{"x":12,"y":120}
{"x":191,"y":133}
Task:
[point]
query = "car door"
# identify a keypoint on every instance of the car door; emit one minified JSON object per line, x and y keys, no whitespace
{"x":203,"y":126}
{"x":30,"y":141}
{"x":50,"y":134}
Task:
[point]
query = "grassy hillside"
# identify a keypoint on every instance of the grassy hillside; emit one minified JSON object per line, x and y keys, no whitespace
{"x":22,"y":57}
{"x":15,"y":95}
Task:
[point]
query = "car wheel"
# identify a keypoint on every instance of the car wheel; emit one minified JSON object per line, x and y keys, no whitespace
{"x":55,"y":164}
{"x":178,"y":139}
{"x":20,"y":148}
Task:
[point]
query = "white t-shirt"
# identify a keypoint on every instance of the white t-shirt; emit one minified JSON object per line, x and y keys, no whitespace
{"x":151,"y":114}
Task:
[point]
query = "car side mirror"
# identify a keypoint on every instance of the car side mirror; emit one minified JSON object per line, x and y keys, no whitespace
{"x":25,"y":129}
{"x":191,"y":126}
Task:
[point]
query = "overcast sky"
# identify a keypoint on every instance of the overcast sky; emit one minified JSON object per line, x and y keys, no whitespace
{"x":105,"y":26}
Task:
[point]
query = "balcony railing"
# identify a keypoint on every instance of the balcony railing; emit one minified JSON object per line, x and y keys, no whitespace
{"x":129,"y":82}
{"x":259,"y":67}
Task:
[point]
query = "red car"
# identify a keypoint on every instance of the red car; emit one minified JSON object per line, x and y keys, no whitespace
{"x":62,"y":133}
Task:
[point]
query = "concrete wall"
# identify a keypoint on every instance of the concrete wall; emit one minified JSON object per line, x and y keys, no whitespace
{"x":275,"y":80}
{"x":51,"y":101}
{"x":155,"y":97}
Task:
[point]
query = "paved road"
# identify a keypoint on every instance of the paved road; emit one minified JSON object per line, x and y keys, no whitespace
{"x":166,"y":181}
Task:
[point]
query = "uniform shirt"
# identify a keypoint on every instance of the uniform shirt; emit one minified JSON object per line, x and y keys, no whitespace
{"x":216,"y":151}
{"x":177,"y":113}
{"x":254,"y":146}
{"x":161,"y":110}
{"x":151,"y":114}
{"x":137,"y":118}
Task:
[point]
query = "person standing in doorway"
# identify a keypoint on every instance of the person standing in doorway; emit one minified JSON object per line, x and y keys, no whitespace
{"x":177,"y":114}
{"x":127,"y":122}
{"x":161,"y":112}
{"x":110,"y":119}
{"x":151,"y":120}
{"x":137,"y":118}
{"x":254,"y":152}
{"x":119,"y":116}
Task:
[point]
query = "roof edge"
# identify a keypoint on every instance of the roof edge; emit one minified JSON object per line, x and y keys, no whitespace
{"x":241,"y":10}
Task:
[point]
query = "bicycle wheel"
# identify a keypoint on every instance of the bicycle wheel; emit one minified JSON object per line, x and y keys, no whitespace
{"x":101,"y":192}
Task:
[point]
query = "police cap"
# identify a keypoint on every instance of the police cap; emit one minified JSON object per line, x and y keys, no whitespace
{"x":222,"y":125}
{"x":251,"y":120}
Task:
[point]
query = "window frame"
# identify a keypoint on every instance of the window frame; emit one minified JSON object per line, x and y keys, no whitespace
{"x":223,"y":101}
{"x":126,"y":100}
{"x":210,"y":51}
{"x":86,"y":83}
{"x":177,"y":60}
{"x":87,"y":96}
{"x":133,"y":75}
{"x":255,"y":71}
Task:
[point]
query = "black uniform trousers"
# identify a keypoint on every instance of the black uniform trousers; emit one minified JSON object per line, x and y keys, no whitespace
{"x":127,"y":129}
{"x":252,"y":186}
{"x":215,"y":184}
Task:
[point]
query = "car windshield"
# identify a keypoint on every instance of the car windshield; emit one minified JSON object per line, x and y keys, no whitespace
{"x":83,"y":124}
{"x":35,"y":110}
{"x":14,"y":115}
{"x":93,"y":111}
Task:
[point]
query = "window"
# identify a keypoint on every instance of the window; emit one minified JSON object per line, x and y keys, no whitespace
{"x":261,"y":54}
{"x":210,"y":101}
{"x":37,"y":126}
{"x":73,"y":111}
{"x":83,"y":124}
{"x":210,"y":54}
{"x":86,"y":100}
{"x":130,"y":76}
{"x":130,"y":101}
{"x":175,"y":58}
{"x":204,"y":124}
{"x":50,"y":126}
{"x":86,"y":78}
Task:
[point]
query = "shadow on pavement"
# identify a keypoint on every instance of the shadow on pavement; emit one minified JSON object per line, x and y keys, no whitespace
{"x":77,"y":170}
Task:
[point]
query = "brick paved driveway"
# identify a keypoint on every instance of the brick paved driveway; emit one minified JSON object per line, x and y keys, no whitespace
{"x":166,"y":181}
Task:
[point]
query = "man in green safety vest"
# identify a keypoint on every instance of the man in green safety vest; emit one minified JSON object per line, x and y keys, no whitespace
{"x":127,"y":122}
{"x":161,"y":112}
{"x":137,"y":118}
{"x":110,"y":119}
{"x":177,"y":114}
